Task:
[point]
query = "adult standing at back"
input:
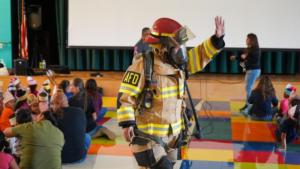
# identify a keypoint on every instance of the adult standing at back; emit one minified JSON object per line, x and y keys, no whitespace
{"x":250,"y":61}
{"x":142,"y":46}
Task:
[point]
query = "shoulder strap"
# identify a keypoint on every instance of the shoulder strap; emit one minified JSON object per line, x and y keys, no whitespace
{"x":148,"y":67}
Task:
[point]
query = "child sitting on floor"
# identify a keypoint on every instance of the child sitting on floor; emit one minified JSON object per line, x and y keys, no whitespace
{"x":6,"y":160}
{"x":289,"y":129}
{"x":22,"y":116}
{"x":282,"y":114}
{"x":263,"y":101}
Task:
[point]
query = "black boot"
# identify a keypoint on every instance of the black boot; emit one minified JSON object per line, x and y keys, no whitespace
{"x":163,"y":163}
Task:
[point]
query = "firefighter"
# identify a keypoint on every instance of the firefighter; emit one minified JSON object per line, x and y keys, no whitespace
{"x":151,"y":102}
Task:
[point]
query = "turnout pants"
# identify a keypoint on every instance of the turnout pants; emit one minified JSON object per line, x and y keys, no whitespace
{"x":149,"y":154}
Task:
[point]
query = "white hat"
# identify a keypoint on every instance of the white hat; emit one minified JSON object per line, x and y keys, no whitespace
{"x":46,"y":82}
{"x":31,"y":81}
{"x":43,"y":96}
{"x":16,"y":81}
{"x":7,"y":97}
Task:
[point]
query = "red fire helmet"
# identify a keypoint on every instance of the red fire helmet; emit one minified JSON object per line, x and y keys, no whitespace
{"x":163,"y":27}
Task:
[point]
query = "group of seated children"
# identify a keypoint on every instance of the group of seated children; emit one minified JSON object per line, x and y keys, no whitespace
{"x":38,"y":130}
{"x":263,"y":106}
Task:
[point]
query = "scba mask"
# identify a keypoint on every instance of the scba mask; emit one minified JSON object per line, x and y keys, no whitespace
{"x":178,"y":55}
{"x":177,"y":52}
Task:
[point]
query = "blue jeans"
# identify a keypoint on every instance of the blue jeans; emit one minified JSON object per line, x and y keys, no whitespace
{"x":87,"y":143}
{"x":250,"y":78}
{"x":94,"y":131}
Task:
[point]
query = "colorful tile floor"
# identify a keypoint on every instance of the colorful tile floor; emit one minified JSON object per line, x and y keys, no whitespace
{"x":229,"y":141}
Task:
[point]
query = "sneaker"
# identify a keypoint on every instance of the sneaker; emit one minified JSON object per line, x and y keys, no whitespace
{"x":243,"y":108}
{"x":105,"y":132}
{"x":244,"y":113}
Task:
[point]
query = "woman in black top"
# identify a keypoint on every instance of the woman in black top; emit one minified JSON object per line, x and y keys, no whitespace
{"x":250,"y":61}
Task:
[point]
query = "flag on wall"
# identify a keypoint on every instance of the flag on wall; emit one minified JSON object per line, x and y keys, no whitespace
{"x":23,"y":37}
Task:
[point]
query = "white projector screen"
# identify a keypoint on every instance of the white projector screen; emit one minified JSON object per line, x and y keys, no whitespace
{"x":118,"y":23}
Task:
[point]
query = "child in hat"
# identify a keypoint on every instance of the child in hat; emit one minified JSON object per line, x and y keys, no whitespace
{"x":289,"y":129}
{"x":47,"y":88}
{"x":21,"y":99}
{"x":43,"y":99}
{"x":8,"y":102}
{"x":289,"y":92}
{"x":32,"y":84}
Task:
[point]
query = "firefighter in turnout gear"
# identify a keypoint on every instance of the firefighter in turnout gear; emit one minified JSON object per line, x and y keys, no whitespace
{"x":151,"y":96}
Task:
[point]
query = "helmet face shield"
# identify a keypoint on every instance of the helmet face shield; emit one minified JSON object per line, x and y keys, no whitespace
{"x":184,"y":34}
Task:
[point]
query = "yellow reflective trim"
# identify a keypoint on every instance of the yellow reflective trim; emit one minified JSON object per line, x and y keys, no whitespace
{"x":168,"y":34}
{"x":197,"y":62}
{"x":125,"y":108}
{"x":125,"y":117}
{"x":127,"y":92}
{"x":209,"y":48}
{"x":169,"y":95}
{"x":181,"y":90}
{"x":163,"y":34}
{"x":125,"y":113}
{"x":160,"y":129}
{"x":154,"y":33}
{"x":129,"y":89}
{"x":191,"y":58}
{"x":169,"y":88}
{"x":153,"y":125}
{"x":155,"y":132}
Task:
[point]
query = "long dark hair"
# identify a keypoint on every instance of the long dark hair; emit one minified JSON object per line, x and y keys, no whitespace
{"x":91,"y":88}
{"x":77,"y":82}
{"x":48,"y":115}
{"x":4,"y":145}
{"x":265,"y":87}
{"x":253,"y":40}
{"x":63,"y":85}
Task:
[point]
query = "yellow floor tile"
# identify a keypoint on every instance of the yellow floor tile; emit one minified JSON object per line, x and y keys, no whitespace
{"x":109,"y":102}
{"x":236,"y":105}
{"x":264,"y":166}
{"x":209,"y":155}
{"x":111,"y":114}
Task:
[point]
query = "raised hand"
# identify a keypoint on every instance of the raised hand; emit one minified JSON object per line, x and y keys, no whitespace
{"x":220,"y":26}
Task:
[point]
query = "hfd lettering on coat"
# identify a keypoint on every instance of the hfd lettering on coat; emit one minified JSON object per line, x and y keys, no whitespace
{"x":132,"y":78}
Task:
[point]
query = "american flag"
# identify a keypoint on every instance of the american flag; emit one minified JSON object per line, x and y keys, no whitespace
{"x":23,"y":41}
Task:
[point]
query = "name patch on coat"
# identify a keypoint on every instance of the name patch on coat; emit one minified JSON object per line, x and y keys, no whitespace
{"x":132,"y":78}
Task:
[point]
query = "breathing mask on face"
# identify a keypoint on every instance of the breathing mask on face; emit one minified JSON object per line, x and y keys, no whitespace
{"x":177,"y":52}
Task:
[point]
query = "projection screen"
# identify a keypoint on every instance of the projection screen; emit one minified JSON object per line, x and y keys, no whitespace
{"x":118,"y":23}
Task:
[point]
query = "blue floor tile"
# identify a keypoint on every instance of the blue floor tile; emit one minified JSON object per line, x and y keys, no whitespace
{"x":186,"y":164}
{"x":254,"y":146}
{"x":292,"y":158}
